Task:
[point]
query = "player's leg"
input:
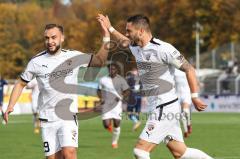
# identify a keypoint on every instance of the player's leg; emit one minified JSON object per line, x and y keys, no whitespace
{"x":116,"y":132}
{"x":36,"y":123}
{"x":187,"y":116}
{"x":50,"y":140}
{"x":175,"y":143}
{"x":68,"y":138}
{"x":131,"y":115}
{"x":1,"y":109}
{"x":180,"y":151}
{"x":57,"y":155}
{"x":69,"y":152}
{"x":143,"y":148}
{"x":107,"y":124}
{"x":184,"y":120}
{"x":137,"y":113}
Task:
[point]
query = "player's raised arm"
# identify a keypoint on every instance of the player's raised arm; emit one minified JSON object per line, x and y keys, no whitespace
{"x":17,"y":90}
{"x":193,"y":84}
{"x":119,"y":36}
{"x":101,"y":57}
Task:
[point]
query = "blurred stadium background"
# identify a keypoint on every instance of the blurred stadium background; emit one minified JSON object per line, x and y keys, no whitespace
{"x":212,"y":46}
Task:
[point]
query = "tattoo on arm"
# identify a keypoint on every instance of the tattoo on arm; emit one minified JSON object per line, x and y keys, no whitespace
{"x":186,"y":66}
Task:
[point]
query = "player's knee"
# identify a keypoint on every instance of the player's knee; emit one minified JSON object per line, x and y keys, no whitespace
{"x":177,"y":155}
{"x":69,"y":153}
{"x":141,"y":154}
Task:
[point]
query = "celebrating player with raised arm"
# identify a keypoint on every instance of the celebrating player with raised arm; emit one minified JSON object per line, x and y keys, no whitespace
{"x":60,"y":136}
{"x":156,"y":62}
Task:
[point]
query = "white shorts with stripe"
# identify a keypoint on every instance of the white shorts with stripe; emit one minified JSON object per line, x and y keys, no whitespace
{"x":157,"y":131}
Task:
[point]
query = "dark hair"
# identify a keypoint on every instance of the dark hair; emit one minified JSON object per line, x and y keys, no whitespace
{"x":113,"y":64}
{"x":140,"y":21}
{"x":50,"y":26}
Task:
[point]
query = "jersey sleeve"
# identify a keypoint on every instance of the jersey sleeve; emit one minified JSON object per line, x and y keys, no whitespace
{"x":172,"y":56}
{"x":29,"y":72}
{"x":86,"y":58}
{"x":32,"y":84}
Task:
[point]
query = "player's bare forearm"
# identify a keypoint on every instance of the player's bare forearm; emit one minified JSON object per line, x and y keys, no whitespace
{"x":125,"y":42}
{"x":193,"y":84}
{"x":126,"y":94}
{"x":116,"y":34}
{"x":17,"y":90}
{"x":100,"y":58}
{"x":191,"y":76}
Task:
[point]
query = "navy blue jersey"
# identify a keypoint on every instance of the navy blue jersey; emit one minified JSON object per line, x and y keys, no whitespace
{"x":2,"y":83}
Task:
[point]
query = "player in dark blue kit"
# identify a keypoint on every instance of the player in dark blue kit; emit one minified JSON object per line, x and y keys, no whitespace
{"x":2,"y":83}
{"x":134,"y":104}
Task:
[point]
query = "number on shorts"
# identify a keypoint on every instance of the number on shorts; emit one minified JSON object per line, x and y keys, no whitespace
{"x":46,"y":147}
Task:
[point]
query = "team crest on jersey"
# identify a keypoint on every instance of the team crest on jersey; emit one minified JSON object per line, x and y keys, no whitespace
{"x":74,"y":134}
{"x":69,"y":62}
{"x":151,"y":127}
{"x":180,"y":58}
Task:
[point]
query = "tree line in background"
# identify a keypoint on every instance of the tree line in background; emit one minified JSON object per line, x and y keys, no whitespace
{"x":22,"y":24}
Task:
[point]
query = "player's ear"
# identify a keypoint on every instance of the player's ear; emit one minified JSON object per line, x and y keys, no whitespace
{"x":62,"y":38}
{"x":141,"y":32}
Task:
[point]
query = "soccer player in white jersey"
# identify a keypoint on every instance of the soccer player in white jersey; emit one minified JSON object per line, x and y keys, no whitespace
{"x":115,"y":91}
{"x":184,"y":95}
{"x":34,"y":103}
{"x":156,"y":61}
{"x":52,"y":69}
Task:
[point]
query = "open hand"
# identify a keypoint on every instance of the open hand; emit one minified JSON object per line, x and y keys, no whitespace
{"x":199,"y":104}
{"x":6,"y":114}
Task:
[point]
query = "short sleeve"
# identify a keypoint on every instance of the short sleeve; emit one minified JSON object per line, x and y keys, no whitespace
{"x":172,"y":56}
{"x":84,"y":58}
{"x":32,"y":84}
{"x":29,"y":72}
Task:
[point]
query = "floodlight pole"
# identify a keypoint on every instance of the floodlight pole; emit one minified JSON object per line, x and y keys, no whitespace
{"x":197,"y":46}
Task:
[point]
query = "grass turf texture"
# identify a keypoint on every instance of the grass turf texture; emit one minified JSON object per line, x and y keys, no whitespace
{"x":215,"y":133}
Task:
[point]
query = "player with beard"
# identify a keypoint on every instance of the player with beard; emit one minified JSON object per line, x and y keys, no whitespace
{"x":60,"y":136}
{"x":156,"y":62}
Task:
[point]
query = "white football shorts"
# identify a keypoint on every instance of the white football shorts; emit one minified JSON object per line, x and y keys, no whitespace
{"x":165,"y":129}
{"x":58,"y":134}
{"x":115,"y":113}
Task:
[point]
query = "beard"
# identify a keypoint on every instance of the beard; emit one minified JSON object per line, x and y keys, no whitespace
{"x":52,"y":52}
{"x":135,"y":41}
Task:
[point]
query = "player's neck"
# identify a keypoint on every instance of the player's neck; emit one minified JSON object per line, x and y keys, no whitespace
{"x":145,"y":40}
{"x":56,"y":53}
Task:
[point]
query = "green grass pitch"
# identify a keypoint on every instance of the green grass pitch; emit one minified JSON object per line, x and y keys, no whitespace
{"x":218,"y":134}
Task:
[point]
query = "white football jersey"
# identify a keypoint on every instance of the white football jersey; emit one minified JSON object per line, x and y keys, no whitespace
{"x":35,"y":92}
{"x":113,"y":89}
{"x":34,"y":87}
{"x":182,"y":87}
{"x":156,"y":62}
{"x":57,"y":79}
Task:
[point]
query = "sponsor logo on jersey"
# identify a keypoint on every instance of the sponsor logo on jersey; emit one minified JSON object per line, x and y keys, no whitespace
{"x":60,"y":73}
